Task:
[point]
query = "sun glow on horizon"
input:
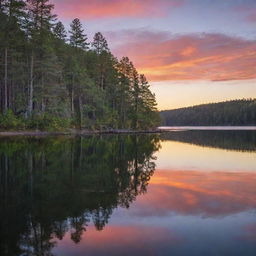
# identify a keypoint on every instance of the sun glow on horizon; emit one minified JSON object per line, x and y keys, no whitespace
{"x":179,"y":94}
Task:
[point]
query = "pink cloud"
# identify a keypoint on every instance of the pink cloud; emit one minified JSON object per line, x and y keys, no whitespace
{"x":161,"y":56}
{"x":252,"y":17}
{"x":248,"y":9}
{"x":91,"y":9}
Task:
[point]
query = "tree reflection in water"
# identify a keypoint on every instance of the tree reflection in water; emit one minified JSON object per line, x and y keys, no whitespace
{"x":53,"y":186}
{"x":231,"y":140}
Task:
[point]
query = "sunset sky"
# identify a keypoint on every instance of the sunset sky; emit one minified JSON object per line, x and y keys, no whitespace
{"x":192,"y":51}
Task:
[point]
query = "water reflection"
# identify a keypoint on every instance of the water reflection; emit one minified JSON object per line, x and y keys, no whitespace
{"x":50,"y":187}
{"x":193,"y":193}
{"x":208,"y":151}
{"x":206,"y":194}
{"x":231,"y":140}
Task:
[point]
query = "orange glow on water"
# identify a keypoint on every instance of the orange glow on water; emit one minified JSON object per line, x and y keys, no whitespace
{"x":198,"y":192}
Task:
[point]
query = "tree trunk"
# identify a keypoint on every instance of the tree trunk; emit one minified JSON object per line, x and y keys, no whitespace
{"x":102,"y":81}
{"x":43,"y":104}
{"x":80,"y":112}
{"x":31,"y":86}
{"x":136,"y":112}
{"x":6,"y":165}
{"x":72,"y":97}
{"x":30,"y":170}
{"x":136,"y":168}
{"x":5,"y":80}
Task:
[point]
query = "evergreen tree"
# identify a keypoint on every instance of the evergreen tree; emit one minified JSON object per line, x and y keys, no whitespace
{"x":77,"y":37}
{"x":100,"y":47}
{"x":41,"y":21}
{"x":148,"y":106}
{"x":124,"y":94}
{"x":99,"y":44}
{"x":60,"y":31}
{"x":12,"y":21}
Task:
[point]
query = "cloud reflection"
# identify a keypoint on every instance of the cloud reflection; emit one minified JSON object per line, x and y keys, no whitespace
{"x":214,"y":194}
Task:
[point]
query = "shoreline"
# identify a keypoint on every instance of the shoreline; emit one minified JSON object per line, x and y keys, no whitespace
{"x":74,"y":133}
{"x":159,"y":130}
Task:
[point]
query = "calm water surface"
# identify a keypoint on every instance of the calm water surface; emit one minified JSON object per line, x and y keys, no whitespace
{"x":181,"y":193}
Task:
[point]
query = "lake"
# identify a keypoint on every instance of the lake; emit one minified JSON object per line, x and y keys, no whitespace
{"x":178,"y":193}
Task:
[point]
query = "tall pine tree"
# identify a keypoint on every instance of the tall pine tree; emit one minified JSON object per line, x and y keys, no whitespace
{"x":60,"y":31}
{"x":42,"y":58}
{"x":77,"y":37}
{"x":12,"y":21}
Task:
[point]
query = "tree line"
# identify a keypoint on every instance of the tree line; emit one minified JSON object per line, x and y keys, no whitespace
{"x":53,"y":78}
{"x":235,"y":112}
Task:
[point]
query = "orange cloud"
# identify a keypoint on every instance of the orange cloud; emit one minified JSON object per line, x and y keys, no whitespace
{"x":214,"y":57}
{"x":200,"y":193}
{"x":91,"y":9}
{"x":188,"y":51}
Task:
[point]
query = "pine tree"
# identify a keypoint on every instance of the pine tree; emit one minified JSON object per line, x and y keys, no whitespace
{"x":124,"y":69}
{"x":77,"y":38}
{"x":99,"y":44}
{"x":136,"y":94}
{"x":149,"y":116}
{"x":100,"y":47}
{"x":41,"y":21}
{"x":78,"y":75}
{"x":12,"y":21}
{"x":60,"y":31}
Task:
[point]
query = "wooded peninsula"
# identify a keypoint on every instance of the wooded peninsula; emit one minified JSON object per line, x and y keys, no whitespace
{"x":235,"y":112}
{"x":52,"y":79}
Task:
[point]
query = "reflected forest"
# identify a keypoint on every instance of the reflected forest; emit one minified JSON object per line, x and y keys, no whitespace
{"x":52,"y":186}
{"x":229,"y":140}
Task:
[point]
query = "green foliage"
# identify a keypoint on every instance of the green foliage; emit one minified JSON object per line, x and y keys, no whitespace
{"x":48,"y":77}
{"x":47,"y":123}
{"x":236,"y":112}
{"x":9,"y":121}
{"x":60,"y":32}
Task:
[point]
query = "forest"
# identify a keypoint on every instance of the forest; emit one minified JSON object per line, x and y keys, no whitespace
{"x":52,"y":78}
{"x":235,"y":112}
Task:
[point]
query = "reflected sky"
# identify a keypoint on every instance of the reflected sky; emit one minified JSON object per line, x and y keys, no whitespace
{"x":183,"y":156}
{"x":200,"y":201}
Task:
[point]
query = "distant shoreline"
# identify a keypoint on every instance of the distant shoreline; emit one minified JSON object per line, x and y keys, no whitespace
{"x":163,"y":129}
{"x":228,"y":113}
{"x":207,"y":128}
